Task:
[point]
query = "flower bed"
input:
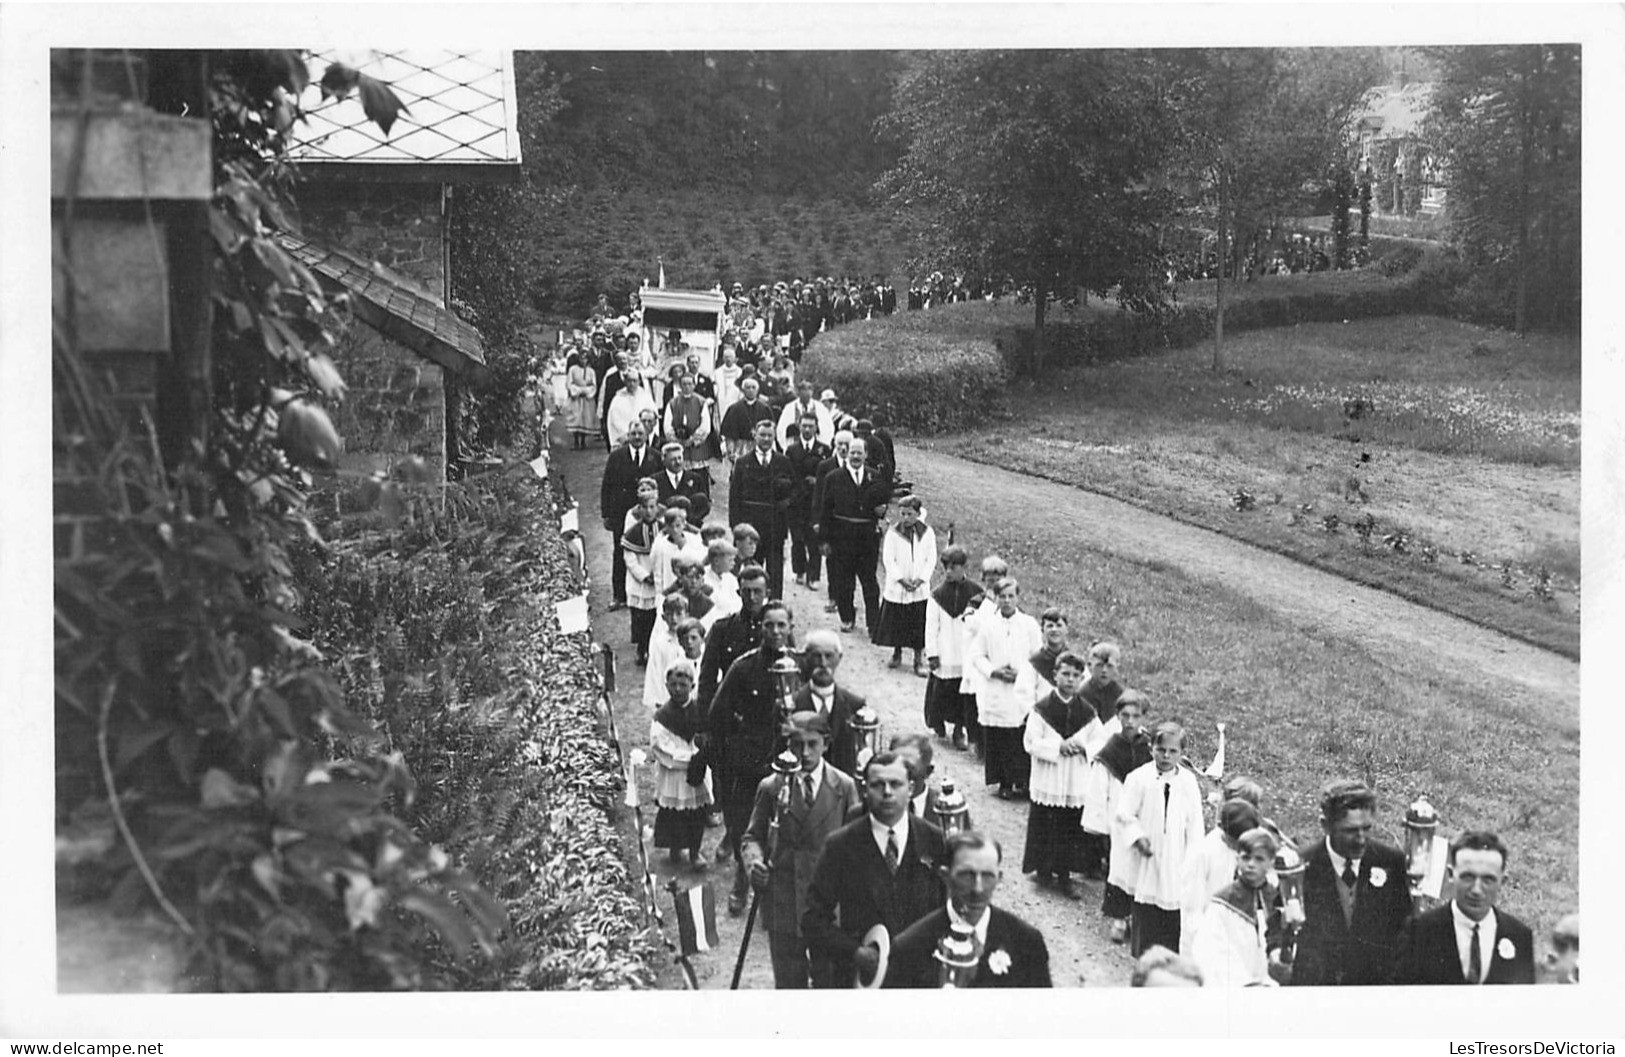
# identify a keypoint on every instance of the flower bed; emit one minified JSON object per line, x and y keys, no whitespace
{"x":441,"y":630}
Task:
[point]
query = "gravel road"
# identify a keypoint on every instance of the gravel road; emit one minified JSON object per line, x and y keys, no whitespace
{"x":1410,"y":637}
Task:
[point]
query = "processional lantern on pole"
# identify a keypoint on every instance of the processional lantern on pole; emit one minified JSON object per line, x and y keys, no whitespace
{"x":866,"y":729}
{"x":1289,"y":868}
{"x":1423,"y":858}
{"x":950,"y":808}
{"x":786,"y":682}
{"x":956,"y":956}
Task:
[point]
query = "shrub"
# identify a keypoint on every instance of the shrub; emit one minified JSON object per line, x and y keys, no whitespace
{"x":438,"y":632}
{"x":914,"y":370}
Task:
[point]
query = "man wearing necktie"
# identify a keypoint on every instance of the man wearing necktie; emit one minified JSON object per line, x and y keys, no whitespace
{"x":759,"y":493}
{"x":820,"y":657}
{"x":850,"y":506}
{"x":1008,"y":951}
{"x":623,"y":469}
{"x":781,"y":868}
{"x":1469,"y":940}
{"x":1356,"y":898}
{"x":878,"y":870}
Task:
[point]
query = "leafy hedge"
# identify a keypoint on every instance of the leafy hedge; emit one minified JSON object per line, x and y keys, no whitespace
{"x":440,"y":630}
{"x":929,"y":371}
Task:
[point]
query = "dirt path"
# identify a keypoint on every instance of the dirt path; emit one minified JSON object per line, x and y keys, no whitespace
{"x":1410,"y":637}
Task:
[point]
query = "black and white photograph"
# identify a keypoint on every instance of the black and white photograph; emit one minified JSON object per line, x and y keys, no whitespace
{"x":551,"y":501}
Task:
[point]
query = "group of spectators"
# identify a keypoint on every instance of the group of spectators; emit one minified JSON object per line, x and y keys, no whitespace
{"x":850,"y":837}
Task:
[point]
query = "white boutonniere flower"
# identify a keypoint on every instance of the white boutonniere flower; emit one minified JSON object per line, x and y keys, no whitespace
{"x":1506,"y":949}
{"x":999,"y":961}
{"x":1379,"y":877}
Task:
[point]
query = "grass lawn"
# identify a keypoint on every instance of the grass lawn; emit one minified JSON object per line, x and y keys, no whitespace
{"x":1434,"y":458}
{"x":1302,"y":707}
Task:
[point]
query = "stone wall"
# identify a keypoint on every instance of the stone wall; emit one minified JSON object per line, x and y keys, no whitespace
{"x":396,"y":224}
{"x":394,"y":407}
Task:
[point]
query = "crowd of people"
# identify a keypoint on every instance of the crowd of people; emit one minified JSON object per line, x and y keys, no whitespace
{"x":844,"y":840}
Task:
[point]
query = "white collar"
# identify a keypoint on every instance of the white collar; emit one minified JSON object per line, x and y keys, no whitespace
{"x":920,"y":801}
{"x":822,"y":691}
{"x":980,"y":928}
{"x":879,"y":831}
{"x":1338,"y":861}
{"x":1464,"y":938}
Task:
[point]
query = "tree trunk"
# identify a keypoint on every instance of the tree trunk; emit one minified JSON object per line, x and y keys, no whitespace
{"x":1525,"y":148}
{"x":1040,"y":304}
{"x":1218,"y":289}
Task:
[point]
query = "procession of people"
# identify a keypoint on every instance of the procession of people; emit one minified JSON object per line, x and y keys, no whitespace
{"x":848,"y":848}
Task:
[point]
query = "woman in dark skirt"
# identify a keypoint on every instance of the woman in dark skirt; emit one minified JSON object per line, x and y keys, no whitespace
{"x":909,"y":555}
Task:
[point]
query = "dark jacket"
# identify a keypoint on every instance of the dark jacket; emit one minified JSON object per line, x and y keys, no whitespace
{"x":912,"y":964}
{"x":1334,"y":952}
{"x":744,"y":717}
{"x":1428,"y":952}
{"x":852,"y":891}
{"x":803,"y":829}
{"x":730,"y":638}
{"x":620,"y":488}
{"x":847,"y":511}
{"x":759,"y":494}
{"x":693,"y":485}
{"x":804,"y":460}
{"x":843,"y":742}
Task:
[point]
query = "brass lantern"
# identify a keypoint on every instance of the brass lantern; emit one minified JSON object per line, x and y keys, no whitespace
{"x":956,"y":956}
{"x":950,"y":808}
{"x":1421,"y":829}
{"x":1289,"y":867}
{"x":866,"y":729}
{"x":786,"y":681}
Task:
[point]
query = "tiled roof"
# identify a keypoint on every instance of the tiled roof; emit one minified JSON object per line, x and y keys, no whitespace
{"x":1394,"y":111}
{"x":460,"y":111}
{"x":395,"y":306}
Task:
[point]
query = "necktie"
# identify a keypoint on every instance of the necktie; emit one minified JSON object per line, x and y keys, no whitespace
{"x":1348,"y":877}
{"x":892,"y":855}
{"x":1475,"y":961}
{"x":807,"y":789}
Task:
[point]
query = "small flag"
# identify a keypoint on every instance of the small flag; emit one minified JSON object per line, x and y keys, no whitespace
{"x":662,"y":273}
{"x":571,"y":520}
{"x":696,"y":919}
{"x":1215,"y":770}
{"x":538,"y":465}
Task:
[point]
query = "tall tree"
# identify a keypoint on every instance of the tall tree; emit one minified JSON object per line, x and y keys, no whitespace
{"x":1262,"y":125}
{"x":1039,"y":165}
{"x":1506,"y":122}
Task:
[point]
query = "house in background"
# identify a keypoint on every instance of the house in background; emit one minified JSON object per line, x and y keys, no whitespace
{"x":372,"y":218}
{"x":1406,"y":179}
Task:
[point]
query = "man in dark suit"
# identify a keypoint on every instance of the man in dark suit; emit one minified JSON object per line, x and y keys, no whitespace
{"x":675,"y":479}
{"x":1469,"y":941}
{"x":625,"y":466}
{"x":834,"y":461}
{"x":920,"y":757}
{"x":759,"y":492}
{"x":1356,"y":898}
{"x":743,"y":725}
{"x":781,"y":861}
{"x":734,"y":635}
{"x":805,"y":453}
{"x":880,"y":870}
{"x":820,"y":657}
{"x":854,"y":499}
{"x":1009,"y":952}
